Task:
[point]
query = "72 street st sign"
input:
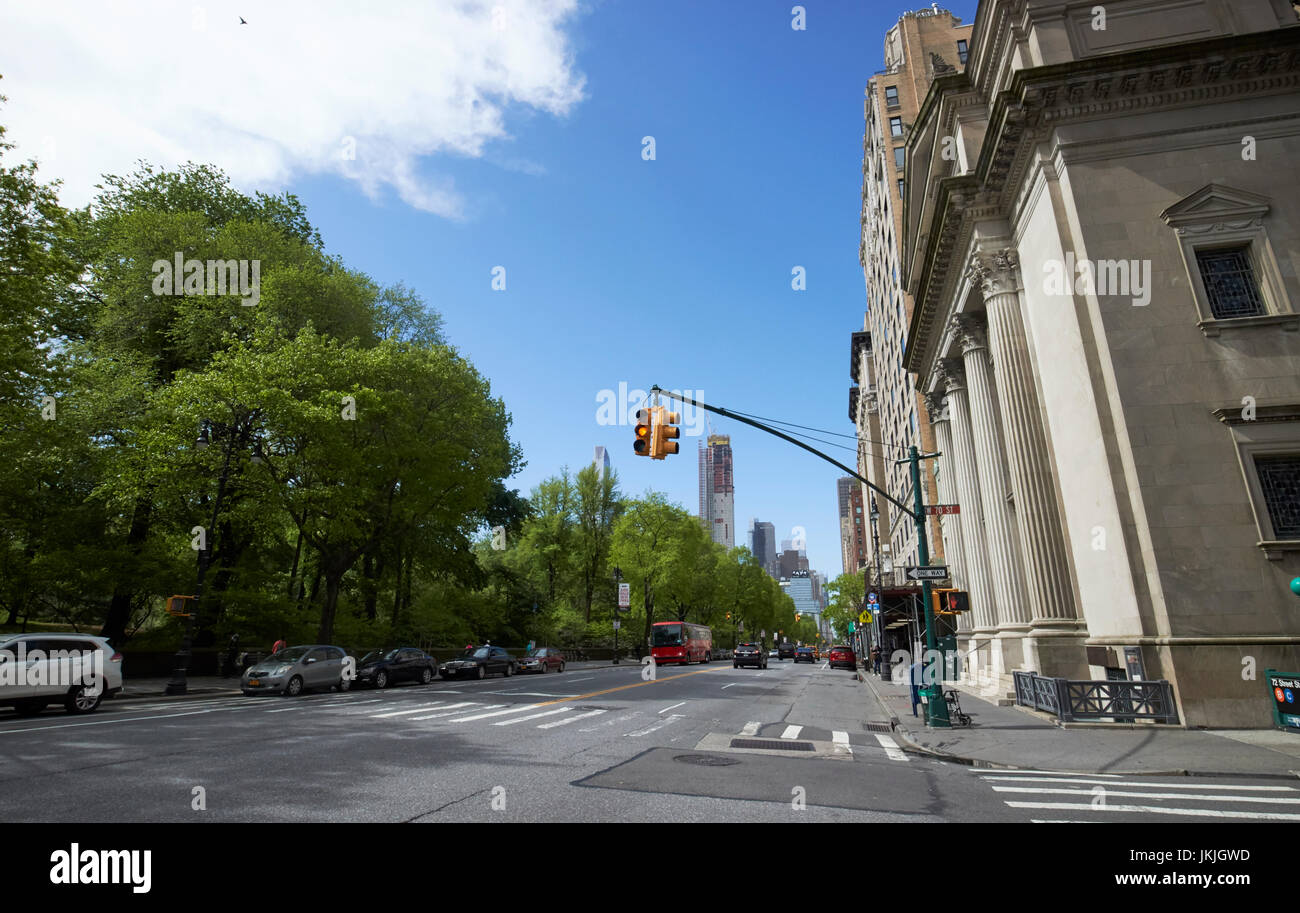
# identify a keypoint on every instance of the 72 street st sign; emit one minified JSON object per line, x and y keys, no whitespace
{"x":931,"y":572}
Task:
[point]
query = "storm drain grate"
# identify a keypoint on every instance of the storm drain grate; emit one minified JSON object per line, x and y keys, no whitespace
{"x":772,"y":744}
{"x":879,"y":727}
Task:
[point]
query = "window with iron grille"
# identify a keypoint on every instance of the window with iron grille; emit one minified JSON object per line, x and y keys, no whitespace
{"x":1279,"y":479}
{"x":1230,"y":283}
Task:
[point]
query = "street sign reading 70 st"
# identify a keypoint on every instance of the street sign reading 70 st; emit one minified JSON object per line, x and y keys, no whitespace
{"x":930,"y":572}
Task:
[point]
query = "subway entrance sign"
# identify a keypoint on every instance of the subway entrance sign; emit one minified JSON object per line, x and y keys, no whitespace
{"x":1284,"y":692}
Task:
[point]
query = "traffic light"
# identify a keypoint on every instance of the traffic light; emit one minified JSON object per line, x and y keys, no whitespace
{"x":951,"y":602}
{"x":665,"y":433}
{"x":645,"y":440}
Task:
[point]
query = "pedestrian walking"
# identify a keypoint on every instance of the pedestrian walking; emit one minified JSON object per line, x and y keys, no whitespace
{"x":232,"y":655}
{"x":914,"y":679}
{"x":279,"y":645}
{"x":875,"y":658}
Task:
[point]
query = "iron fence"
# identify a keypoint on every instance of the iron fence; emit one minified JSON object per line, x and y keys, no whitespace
{"x":1074,"y":701}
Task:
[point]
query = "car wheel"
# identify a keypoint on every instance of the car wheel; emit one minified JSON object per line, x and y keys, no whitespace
{"x":708,"y":657}
{"x":381,"y":679}
{"x":561,"y":667}
{"x":426,"y":675}
{"x":510,"y":670}
{"x":294,"y":688}
{"x":735,"y":665}
{"x":29,"y":708}
{"x":481,"y":672}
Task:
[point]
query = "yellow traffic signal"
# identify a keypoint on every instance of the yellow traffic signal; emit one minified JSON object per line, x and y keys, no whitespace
{"x":644,"y":443}
{"x":665,"y":432}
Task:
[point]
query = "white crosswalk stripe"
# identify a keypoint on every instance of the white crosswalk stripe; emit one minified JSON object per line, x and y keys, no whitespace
{"x":1096,"y":796}
{"x":892,"y":751}
{"x":571,"y":719}
{"x":673,"y":718}
{"x":533,"y":716}
{"x":840,"y":740}
{"x":422,"y":708}
{"x":792,"y":732}
{"x":453,"y":710}
{"x":483,"y":716}
{"x":751,"y":728}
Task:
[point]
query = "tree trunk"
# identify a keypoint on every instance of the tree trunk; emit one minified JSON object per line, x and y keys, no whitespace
{"x":293,"y":572}
{"x":119,"y":609}
{"x":325,"y":633}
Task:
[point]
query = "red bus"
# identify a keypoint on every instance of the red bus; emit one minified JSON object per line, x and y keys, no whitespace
{"x":680,"y":642}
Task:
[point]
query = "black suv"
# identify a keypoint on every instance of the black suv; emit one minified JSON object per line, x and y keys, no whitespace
{"x":785,"y":651}
{"x":749,"y":655}
{"x":804,"y":653}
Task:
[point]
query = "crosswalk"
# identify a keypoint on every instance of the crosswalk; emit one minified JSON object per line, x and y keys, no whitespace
{"x":1053,"y":797}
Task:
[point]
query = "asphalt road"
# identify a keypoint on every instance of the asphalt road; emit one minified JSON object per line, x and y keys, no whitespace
{"x":598,"y":744}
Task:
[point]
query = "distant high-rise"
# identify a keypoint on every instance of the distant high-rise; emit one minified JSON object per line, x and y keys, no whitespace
{"x":853,"y":555}
{"x":790,"y":561}
{"x":601,"y":462}
{"x":762,"y":542}
{"x":717,"y":490}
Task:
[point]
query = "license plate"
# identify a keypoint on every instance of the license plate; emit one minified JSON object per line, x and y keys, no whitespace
{"x":254,"y":682}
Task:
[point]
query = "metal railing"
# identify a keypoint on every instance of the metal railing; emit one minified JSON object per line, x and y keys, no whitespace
{"x":1074,"y":701}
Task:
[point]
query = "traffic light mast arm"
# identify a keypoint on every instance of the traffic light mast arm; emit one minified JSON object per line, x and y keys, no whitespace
{"x":785,"y":437}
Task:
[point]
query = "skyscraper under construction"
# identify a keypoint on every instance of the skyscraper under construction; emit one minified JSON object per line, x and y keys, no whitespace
{"x":717,"y":490}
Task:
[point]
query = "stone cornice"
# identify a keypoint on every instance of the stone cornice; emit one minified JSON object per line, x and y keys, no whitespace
{"x":1283,"y":412}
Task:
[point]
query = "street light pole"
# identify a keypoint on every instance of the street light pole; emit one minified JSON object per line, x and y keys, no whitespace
{"x":618,"y":575}
{"x":179,"y":683}
{"x":880,"y":577}
{"x":936,"y":707}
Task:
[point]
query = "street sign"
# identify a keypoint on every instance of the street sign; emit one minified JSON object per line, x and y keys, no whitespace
{"x":935,"y":510}
{"x":930,"y":572}
{"x":617,"y":624}
{"x":872,"y":598}
{"x":624,"y":595}
{"x":865,"y":617}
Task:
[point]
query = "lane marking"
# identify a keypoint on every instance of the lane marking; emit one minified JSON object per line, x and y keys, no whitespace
{"x":138,"y":719}
{"x":892,"y":751}
{"x":982,"y":771}
{"x":751,"y":728}
{"x":452,"y":712}
{"x":725,"y":687}
{"x":506,"y":712}
{"x":1148,"y":783}
{"x":420,"y":709}
{"x":657,"y":681}
{"x":524,"y":719}
{"x":673,"y":707}
{"x":585,"y":679}
{"x":1160,"y":810}
{"x":792,"y":732}
{"x":660,"y":725}
{"x":1273,"y":800}
{"x":571,"y":719}
{"x":840,"y":740}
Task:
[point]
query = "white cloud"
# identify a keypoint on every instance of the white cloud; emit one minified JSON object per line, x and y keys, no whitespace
{"x":94,"y":86}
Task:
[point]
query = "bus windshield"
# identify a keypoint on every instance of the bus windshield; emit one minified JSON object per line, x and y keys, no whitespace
{"x":667,"y":636}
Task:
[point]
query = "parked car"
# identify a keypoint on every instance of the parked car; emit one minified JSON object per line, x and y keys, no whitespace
{"x":390,"y":667}
{"x":773,"y":654}
{"x":785,"y":651}
{"x":722,"y":653}
{"x":294,"y":670}
{"x":841,"y":655}
{"x":479,"y":663}
{"x":804,"y":654}
{"x":543,"y":659}
{"x":749,"y":655}
{"x":75,"y":670}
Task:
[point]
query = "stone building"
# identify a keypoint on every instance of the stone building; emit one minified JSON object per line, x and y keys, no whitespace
{"x":1102,"y":236}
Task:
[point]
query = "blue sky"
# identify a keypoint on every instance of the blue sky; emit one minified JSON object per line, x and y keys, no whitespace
{"x":675,"y":271}
{"x":485,"y":144}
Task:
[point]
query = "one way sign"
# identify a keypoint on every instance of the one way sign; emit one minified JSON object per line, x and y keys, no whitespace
{"x":931,"y":572}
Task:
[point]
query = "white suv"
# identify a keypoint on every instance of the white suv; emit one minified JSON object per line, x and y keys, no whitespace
{"x":75,"y":670}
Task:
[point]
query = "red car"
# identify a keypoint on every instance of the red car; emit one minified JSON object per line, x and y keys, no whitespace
{"x":843,"y":656}
{"x":543,"y":659}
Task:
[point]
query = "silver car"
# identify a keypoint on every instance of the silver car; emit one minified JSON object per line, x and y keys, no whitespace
{"x":297,"y":669}
{"x":75,"y":670}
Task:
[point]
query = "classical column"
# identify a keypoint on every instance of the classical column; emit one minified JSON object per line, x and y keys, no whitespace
{"x":949,"y":524}
{"x":1042,"y":538}
{"x":960,"y":459}
{"x":990,"y":457}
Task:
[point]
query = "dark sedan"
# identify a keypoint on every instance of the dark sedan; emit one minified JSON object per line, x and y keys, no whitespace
{"x":785,"y":651}
{"x":749,"y":655}
{"x":479,"y":663}
{"x":543,"y":659}
{"x":805,"y":654}
{"x":391,"y":667}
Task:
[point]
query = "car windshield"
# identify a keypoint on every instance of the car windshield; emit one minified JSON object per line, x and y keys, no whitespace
{"x":290,"y":654}
{"x":667,"y":636}
{"x":376,"y":656}
{"x":481,"y":653}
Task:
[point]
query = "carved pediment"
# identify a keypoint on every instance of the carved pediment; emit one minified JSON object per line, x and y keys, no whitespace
{"x":1216,"y":203}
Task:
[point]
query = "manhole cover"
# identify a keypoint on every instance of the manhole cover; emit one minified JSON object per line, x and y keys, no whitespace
{"x":879,"y":727}
{"x":772,"y":744}
{"x":706,"y":760}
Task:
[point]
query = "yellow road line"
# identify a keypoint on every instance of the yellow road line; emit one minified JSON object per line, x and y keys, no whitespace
{"x":582,"y":697}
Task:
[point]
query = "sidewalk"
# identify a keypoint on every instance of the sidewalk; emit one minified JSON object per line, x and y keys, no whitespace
{"x":1009,"y":737}
{"x":136,"y":689}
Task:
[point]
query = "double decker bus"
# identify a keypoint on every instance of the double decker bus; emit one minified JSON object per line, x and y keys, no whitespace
{"x":681,"y":642}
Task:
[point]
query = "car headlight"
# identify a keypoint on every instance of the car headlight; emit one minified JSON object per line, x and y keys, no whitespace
{"x":281,"y":670}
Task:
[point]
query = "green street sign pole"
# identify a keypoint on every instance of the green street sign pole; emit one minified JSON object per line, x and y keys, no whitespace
{"x":936,"y":708}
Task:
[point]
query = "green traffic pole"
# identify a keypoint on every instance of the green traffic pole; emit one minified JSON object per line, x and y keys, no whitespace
{"x":936,"y":708}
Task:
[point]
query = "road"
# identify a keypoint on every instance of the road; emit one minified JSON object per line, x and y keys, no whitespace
{"x":598,"y":744}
